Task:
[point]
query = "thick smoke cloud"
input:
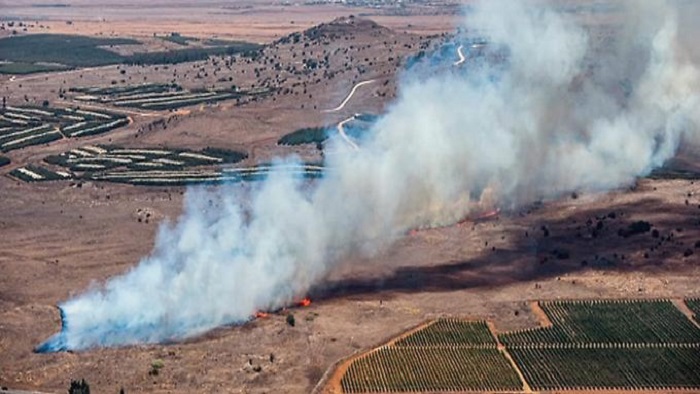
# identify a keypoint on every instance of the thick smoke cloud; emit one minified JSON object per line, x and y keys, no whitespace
{"x":552,"y":107}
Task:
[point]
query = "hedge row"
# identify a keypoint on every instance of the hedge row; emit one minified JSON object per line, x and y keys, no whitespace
{"x":307,"y":135}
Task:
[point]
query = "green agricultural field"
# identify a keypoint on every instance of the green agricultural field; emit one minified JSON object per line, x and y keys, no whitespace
{"x":429,"y":369}
{"x":191,"y":54}
{"x":74,"y":51}
{"x":446,"y":355}
{"x":451,"y":332}
{"x":30,"y":68}
{"x":591,"y":345}
{"x":628,"y":344}
{"x":694,"y":305}
{"x":609,"y":322}
{"x":638,"y":368}
{"x":50,"y":52}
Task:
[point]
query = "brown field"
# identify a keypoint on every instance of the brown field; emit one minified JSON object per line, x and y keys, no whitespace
{"x":255,"y":20}
{"x":59,"y":238}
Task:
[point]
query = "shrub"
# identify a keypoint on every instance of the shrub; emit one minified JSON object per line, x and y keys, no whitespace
{"x":79,"y":387}
{"x":635,"y":228}
{"x":290,"y":319}
{"x":156,"y":366}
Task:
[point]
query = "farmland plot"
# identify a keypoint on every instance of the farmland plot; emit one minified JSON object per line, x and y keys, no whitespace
{"x":421,"y":369}
{"x":451,"y":332}
{"x":446,"y":355}
{"x":157,"y":96}
{"x":591,"y":345}
{"x":657,"y":321}
{"x":694,"y":305}
{"x":33,"y":173}
{"x":150,"y":177}
{"x":602,"y":344}
{"x":167,"y":167}
{"x":26,"y":126}
{"x":100,"y":158}
{"x":639,"y":368}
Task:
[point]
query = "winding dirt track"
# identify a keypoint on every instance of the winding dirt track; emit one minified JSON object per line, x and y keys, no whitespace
{"x":352,"y":92}
{"x":341,"y":131}
{"x":462,"y":58}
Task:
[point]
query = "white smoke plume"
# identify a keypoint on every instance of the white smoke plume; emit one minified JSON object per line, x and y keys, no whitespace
{"x":552,"y":109}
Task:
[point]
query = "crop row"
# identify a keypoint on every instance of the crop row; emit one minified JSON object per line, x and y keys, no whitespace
{"x":156,"y":96}
{"x":401,"y":369}
{"x":634,"y":368}
{"x":25,"y":126}
{"x":168,"y":177}
{"x":28,"y":115}
{"x":32,"y":173}
{"x":185,"y":100}
{"x":101,"y":158}
{"x":451,"y":332}
{"x":694,"y":305}
{"x":19,"y":138}
{"x":657,"y":321}
{"x":95,"y":127}
{"x":125,"y":90}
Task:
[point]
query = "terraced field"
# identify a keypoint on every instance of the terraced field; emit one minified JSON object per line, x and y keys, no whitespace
{"x":157,"y":97}
{"x":154,"y":166}
{"x":590,"y":345}
{"x":26,"y":126}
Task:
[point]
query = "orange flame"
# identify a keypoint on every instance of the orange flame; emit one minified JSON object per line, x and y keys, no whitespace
{"x":481,"y":217}
{"x":261,"y":315}
{"x":305,"y":302}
